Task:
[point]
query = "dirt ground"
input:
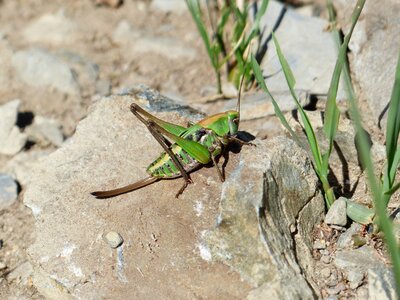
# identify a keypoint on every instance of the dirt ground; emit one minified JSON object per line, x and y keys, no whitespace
{"x":186,"y":79}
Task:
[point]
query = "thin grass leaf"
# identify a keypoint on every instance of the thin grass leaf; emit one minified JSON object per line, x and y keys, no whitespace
{"x":359,"y":213}
{"x":312,"y":140}
{"x":331,"y":111}
{"x":393,"y":126}
{"x":380,"y":198}
{"x":194,"y":8}
{"x":256,"y":25}
{"x":261,"y":82}
{"x":393,"y":189}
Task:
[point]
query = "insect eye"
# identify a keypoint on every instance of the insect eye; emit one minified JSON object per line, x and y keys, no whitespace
{"x":236,"y":120}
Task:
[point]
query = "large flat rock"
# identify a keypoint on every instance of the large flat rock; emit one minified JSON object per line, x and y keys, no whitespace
{"x":168,"y":250}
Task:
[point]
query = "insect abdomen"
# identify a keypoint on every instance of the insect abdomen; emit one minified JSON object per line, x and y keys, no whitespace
{"x":164,"y":167}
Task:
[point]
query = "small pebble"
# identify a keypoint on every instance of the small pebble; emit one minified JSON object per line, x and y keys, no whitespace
{"x":337,"y":289}
{"x":113,"y":239}
{"x":332,"y":297}
{"x":326,"y":259}
{"x":355,"y":278}
{"x":8,"y":191}
{"x":337,"y":213}
{"x":326,"y":272}
{"x":324,"y":252}
{"x":319,"y":244}
{"x":2,"y":265}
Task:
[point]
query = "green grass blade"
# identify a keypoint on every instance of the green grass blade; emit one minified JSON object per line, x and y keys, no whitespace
{"x":312,"y":140}
{"x":194,"y":8}
{"x":393,"y":127}
{"x":256,"y":25}
{"x":332,"y":113}
{"x":380,"y":198}
{"x":261,"y":82}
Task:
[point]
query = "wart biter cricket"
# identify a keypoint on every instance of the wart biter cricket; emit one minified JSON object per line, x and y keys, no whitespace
{"x":194,"y":146}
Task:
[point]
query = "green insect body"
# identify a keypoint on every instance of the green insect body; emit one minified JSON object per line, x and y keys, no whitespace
{"x":192,"y":147}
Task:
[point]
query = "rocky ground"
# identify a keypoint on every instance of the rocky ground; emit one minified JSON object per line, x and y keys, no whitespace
{"x":58,"y":60}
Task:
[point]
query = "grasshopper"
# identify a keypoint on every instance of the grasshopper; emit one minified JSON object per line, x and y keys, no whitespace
{"x":192,"y":147}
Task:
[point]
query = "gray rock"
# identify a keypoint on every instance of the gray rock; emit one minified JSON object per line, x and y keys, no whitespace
{"x":8,"y":117}
{"x":20,"y":165}
{"x":337,"y":213}
{"x":52,"y":29}
{"x":258,"y":105}
{"x":345,"y":239}
{"x":381,"y":284}
{"x":358,"y":260}
{"x":319,"y":244}
{"x":355,"y":278}
{"x":46,"y":131}
{"x":373,"y":35}
{"x":12,"y":139}
{"x":38,"y":67}
{"x":14,"y":143}
{"x":113,"y":239}
{"x":305,"y":44}
{"x":170,"y":48}
{"x":170,"y":6}
{"x":336,"y":290}
{"x":21,"y":273}
{"x":96,"y":158}
{"x":103,"y":87}
{"x":262,"y":215}
{"x":326,"y":259}
{"x":8,"y":191}
{"x":252,"y":213}
{"x":326,"y":272}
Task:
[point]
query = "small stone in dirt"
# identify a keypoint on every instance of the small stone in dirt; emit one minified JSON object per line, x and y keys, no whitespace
{"x":355,"y":278}
{"x":38,"y":67}
{"x":337,"y":213}
{"x":53,"y":29}
{"x":337,"y":289}
{"x":21,"y":273}
{"x":326,"y":259}
{"x":326,"y":272}
{"x":103,"y":87}
{"x":319,"y":244}
{"x":362,"y":293}
{"x":14,"y":143}
{"x":8,"y":191}
{"x":113,"y":239}
{"x":381,"y":284}
{"x":2,"y":265}
{"x":45,"y":131}
{"x":345,"y":239}
{"x":332,"y":297}
{"x":360,"y":259}
{"x":170,"y":6}
{"x":8,"y":117}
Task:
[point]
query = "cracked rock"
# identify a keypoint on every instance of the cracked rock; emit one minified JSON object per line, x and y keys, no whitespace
{"x":265,"y":209}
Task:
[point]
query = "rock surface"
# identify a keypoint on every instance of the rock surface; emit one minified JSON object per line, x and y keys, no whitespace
{"x":295,"y":33}
{"x":8,"y":191}
{"x":38,"y":67}
{"x":12,"y":140}
{"x":168,"y":241}
{"x":376,"y":32}
{"x":337,"y":213}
